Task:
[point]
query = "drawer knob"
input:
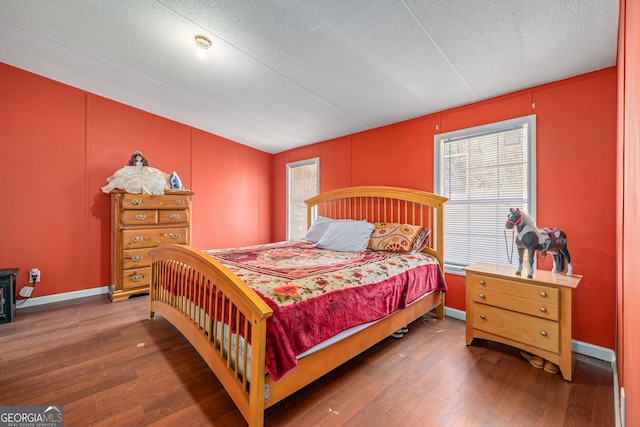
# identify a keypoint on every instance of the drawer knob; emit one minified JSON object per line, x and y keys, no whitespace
{"x":140,"y":217}
{"x":543,"y":294}
{"x":482,"y":282}
{"x":482,"y":316}
{"x":542,"y":309}
{"x":174,"y":216}
{"x":543,"y":333}
{"x":176,"y":236}
{"x":136,"y":258}
{"x":136,"y":201}
{"x":179,"y":202}
{"x":137,"y":239}
{"x":137,"y":277}
{"x":481,"y":295}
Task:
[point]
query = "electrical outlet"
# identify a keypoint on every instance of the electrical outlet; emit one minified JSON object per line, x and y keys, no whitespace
{"x":34,"y":275}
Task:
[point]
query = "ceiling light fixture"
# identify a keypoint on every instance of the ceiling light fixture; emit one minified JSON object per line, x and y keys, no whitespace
{"x":203,"y":44}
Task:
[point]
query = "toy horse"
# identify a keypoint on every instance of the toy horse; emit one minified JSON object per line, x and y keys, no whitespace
{"x":531,"y":238}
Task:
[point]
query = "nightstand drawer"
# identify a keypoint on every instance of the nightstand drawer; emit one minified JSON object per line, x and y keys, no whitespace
{"x":535,"y":292}
{"x":522,"y":305}
{"x":519,"y":327}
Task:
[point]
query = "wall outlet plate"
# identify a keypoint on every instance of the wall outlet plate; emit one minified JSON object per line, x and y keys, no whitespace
{"x":34,"y":275}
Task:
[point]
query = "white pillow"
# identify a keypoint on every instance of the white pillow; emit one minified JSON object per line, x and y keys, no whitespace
{"x":346,"y":236}
{"x":320,"y":226}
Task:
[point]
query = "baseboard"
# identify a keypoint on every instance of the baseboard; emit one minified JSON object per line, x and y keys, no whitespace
{"x":579,"y":347}
{"x":618,"y":395}
{"x":48,"y":299}
{"x":594,"y":351}
{"x":456,"y":314}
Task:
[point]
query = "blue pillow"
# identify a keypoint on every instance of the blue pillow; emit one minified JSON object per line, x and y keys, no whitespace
{"x":346,"y":236}
{"x":320,"y":226}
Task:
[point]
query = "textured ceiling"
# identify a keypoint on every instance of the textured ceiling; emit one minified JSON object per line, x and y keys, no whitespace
{"x":286,"y":73}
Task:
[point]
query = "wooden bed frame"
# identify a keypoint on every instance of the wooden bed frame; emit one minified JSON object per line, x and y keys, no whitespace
{"x":204,"y":278}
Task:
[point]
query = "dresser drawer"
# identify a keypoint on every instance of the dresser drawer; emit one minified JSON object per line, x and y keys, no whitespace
{"x":541,"y":309}
{"x":150,"y":201}
{"x":541,"y":333}
{"x":173,"y":216}
{"x":139,"y":217}
{"x":132,"y":239}
{"x":541,"y":293}
{"x":136,"y":258}
{"x":136,"y":278}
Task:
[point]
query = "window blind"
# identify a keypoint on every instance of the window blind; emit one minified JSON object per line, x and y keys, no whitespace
{"x":484,"y":172}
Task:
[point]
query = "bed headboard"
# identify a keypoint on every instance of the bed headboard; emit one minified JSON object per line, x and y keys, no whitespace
{"x":385,"y":204}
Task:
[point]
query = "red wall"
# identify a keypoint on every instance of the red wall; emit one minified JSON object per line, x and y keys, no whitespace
{"x":576,"y":173}
{"x":59,"y":145}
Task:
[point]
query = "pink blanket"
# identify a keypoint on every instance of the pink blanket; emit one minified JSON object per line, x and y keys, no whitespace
{"x":317,"y":293}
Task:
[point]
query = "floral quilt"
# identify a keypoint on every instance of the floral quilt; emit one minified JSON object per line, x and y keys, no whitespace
{"x":317,"y":293}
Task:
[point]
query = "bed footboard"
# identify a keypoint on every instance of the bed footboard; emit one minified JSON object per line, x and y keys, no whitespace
{"x":220,"y":316}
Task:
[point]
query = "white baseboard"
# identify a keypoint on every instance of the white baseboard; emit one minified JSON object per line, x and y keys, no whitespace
{"x":592,"y":350}
{"x":456,"y":314}
{"x":586,"y":349}
{"x":31,"y":302}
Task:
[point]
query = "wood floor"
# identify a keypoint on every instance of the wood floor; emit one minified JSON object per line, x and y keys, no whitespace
{"x":106,"y":364}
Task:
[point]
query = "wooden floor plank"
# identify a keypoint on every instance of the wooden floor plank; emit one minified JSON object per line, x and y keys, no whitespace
{"x":108,"y":365}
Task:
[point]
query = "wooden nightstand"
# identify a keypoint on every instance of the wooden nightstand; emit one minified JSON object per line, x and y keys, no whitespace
{"x":531,"y":314}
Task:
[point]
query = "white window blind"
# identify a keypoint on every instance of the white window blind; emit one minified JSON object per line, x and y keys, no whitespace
{"x":484,"y":171}
{"x":303,"y":181}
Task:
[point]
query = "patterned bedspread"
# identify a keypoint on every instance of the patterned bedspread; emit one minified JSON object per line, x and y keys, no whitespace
{"x":317,"y":293}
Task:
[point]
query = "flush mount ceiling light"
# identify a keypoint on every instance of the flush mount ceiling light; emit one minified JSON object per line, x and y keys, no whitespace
{"x":203,"y":44}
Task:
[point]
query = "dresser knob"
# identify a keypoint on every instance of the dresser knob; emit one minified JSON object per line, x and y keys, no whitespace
{"x":179,"y":202}
{"x":136,"y":201}
{"x":543,"y":294}
{"x":482,"y":282}
{"x":136,"y":258}
{"x":482,"y":316}
{"x":176,"y":236}
{"x":174,"y":216}
{"x":137,"y":277}
{"x":140,"y":217}
{"x":137,"y":239}
{"x":542,"y":309}
{"x":543,"y":333}
{"x":481,"y":295}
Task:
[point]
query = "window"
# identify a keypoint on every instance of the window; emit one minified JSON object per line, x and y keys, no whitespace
{"x":484,"y":171}
{"x":303,"y":181}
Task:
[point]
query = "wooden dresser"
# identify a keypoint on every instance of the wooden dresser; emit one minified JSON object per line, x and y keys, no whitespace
{"x":140,"y":222}
{"x":531,"y":314}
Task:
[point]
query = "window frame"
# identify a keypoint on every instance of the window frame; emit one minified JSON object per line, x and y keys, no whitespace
{"x":496,"y":127}
{"x":289,"y":167}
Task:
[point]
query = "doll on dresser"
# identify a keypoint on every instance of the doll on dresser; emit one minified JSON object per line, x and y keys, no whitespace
{"x":138,"y":177}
